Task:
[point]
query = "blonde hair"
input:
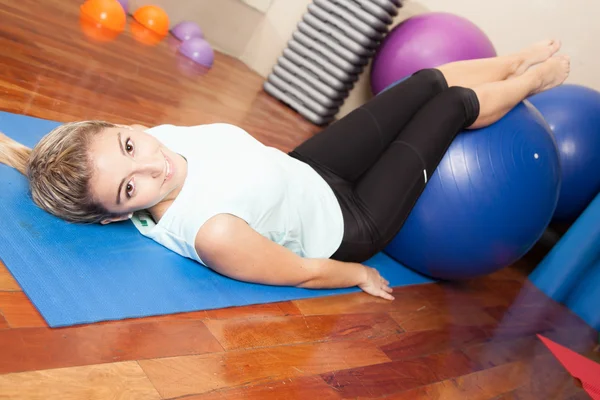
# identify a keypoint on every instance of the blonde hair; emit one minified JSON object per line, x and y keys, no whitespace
{"x":59,"y":170}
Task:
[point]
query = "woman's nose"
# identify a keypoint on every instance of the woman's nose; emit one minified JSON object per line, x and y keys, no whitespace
{"x":153,"y":166}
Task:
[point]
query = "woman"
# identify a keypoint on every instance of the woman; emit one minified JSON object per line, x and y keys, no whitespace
{"x":253,"y":213}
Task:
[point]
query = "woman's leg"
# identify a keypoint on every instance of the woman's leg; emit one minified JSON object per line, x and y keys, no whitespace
{"x":387,"y":192}
{"x":471,"y":73}
{"x":350,"y":146}
{"x":498,"y":98}
{"x":390,"y":188}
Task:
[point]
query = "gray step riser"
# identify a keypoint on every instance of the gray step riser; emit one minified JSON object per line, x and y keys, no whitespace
{"x":331,"y":46}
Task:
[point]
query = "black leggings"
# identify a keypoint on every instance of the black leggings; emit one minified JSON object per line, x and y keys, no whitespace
{"x":378,"y":158}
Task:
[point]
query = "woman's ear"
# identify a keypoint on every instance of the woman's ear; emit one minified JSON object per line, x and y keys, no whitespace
{"x":107,"y":221}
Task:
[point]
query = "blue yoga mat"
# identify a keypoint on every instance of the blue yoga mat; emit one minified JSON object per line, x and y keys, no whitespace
{"x":79,"y":274}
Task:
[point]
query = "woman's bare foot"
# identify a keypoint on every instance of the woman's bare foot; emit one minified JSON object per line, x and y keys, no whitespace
{"x":551,"y":73}
{"x":535,"y":54}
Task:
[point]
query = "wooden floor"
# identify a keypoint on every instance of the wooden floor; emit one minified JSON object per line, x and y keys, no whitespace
{"x":474,"y":340}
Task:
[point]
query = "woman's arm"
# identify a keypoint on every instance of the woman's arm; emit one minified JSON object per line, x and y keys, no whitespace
{"x":232,"y":248}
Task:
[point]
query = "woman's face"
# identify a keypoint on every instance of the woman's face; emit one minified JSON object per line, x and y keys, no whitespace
{"x":133,"y":170}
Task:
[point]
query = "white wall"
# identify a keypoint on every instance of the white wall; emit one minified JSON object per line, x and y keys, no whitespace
{"x":260,"y":5}
{"x":272,"y":34}
{"x":512,"y":24}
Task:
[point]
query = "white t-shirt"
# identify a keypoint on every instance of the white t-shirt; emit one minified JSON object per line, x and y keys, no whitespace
{"x":229,"y":171}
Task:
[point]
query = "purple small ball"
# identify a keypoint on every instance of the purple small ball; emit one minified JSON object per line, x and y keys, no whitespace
{"x":198,"y":50}
{"x":187,"y":30}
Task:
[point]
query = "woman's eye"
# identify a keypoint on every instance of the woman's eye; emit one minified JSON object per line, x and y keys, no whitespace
{"x":129,"y":189}
{"x":129,"y":146}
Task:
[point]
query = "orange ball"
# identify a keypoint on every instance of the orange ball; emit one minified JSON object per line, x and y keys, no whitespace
{"x":108,"y":13}
{"x":145,"y":35}
{"x":95,"y":30}
{"x":153,"y":18}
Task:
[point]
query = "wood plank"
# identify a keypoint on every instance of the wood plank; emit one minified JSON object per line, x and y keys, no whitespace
{"x":279,"y":309}
{"x":548,"y":315}
{"x":97,"y":382}
{"x":532,"y":322}
{"x":19,"y":311}
{"x":264,"y":332}
{"x":502,"y":349}
{"x":554,"y":314}
{"x":516,"y":294}
{"x":421,"y":343}
{"x":507,"y":331}
{"x":452,"y":296}
{"x":521,"y":395}
{"x":566,"y":390}
{"x":499,"y":352}
{"x":405,"y":300}
{"x":181,"y":376}
{"x":185,"y":316}
{"x":481,"y":385}
{"x":531,"y":379}
{"x":310,"y":387}
{"x":398,"y":376}
{"x":43,"y":348}
{"x":509,"y":273}
{"x":3,"y":323}
{"x":430,"y":318}
{"x":7,"y":281}
{"x":548,"y":380}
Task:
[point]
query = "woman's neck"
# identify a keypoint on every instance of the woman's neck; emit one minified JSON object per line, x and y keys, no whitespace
{"x":161,"y":208}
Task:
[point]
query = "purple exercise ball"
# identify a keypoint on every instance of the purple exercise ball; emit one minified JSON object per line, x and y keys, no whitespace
{"x":198,"y":50}
{"x":187,"y":30}
{"x":427,"y":41}
{"x":125,"y":5}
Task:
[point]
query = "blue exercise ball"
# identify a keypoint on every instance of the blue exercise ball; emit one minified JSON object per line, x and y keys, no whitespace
{"x":487,"y":203}
{"x":573,"y":114}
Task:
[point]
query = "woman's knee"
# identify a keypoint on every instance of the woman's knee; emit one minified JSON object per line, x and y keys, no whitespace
{"x":431,"y":80}
{"x":434,"y":76}
{"x":465,"y":101}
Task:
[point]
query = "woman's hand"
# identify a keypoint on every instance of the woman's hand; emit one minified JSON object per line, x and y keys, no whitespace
{"x":376,"y":285}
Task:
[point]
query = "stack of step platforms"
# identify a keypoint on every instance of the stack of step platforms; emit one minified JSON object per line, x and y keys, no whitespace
{"x":328,"y":51}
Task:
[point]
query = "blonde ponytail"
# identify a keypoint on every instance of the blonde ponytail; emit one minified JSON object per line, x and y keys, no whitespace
{"x":14,"y":154}
{"x":59,"y":170}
